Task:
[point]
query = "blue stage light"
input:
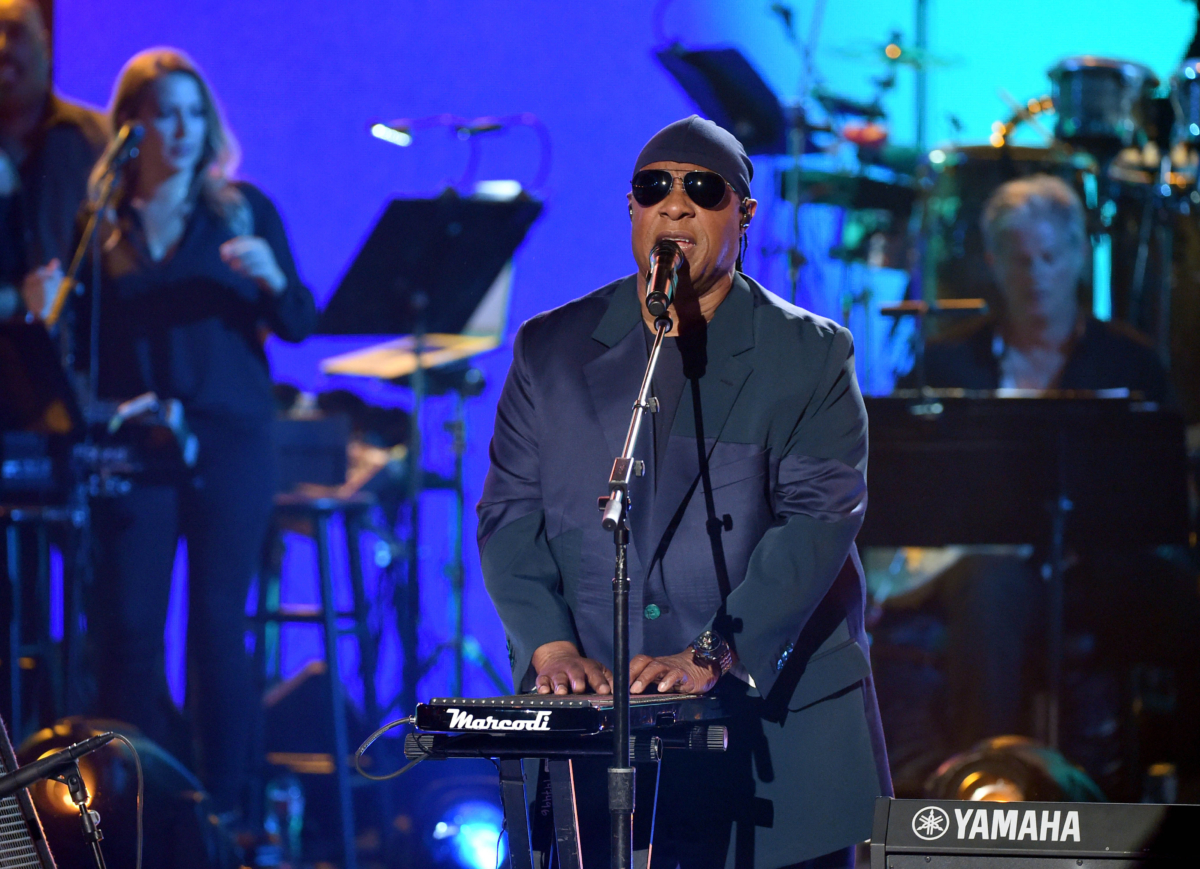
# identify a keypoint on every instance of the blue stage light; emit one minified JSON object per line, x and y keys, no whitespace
{"x":468,"y":836}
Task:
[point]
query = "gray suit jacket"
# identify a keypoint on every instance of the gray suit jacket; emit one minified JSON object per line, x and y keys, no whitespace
{"x":750,"y":529}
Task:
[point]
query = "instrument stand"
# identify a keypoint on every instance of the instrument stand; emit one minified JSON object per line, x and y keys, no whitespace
{"x":1048,"y":706}
{"x":558,"y":730}
{"x":529,"y":840}
{"x":621,"y":790}
{"x":414,"y":667}
{"x":1155,"y":223}
{"x":465,"y":648}
{"x":90,"y":820}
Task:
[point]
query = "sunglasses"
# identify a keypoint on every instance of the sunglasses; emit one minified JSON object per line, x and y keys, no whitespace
{"x":652,"y":186}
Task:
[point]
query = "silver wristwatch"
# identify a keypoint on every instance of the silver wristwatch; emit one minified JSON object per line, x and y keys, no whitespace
{"x":710,"y":649}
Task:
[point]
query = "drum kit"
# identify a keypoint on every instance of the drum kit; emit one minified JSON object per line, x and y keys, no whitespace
{"x":1128,"y":144}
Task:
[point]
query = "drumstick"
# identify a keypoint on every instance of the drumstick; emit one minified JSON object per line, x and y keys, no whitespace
{"x":1024,"y":114}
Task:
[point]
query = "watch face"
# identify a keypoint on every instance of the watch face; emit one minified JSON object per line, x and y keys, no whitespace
{"x":706,"y":643}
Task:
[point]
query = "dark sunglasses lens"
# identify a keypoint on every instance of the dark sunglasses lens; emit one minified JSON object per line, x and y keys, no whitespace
{"x":706,"y":189}
{"x":651,"y":186}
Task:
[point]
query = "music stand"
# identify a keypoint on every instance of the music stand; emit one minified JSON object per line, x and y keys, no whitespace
{"x":438,"y":272}
{"x":949,"y":467}
{"x":427,"y":265}
{"x":727,"y":89}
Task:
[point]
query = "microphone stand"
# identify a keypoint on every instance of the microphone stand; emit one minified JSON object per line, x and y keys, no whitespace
{"x":616,"y":506}
{"x":90,"y":820}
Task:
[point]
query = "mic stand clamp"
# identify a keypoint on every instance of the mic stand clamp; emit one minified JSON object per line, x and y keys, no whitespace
{"x":621,"y":791}
{"x":89,"y":820}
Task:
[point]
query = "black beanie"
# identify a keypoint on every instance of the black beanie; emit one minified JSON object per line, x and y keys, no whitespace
{"x":699,"y":141}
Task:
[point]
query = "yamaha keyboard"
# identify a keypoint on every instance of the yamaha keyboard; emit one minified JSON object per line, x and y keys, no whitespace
{"x":928,"y":834}
{"x":576,"y":714}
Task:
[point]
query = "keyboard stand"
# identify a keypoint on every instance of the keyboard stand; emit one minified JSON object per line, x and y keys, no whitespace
{"x":510,"y":751}
{"x":516,"y":813}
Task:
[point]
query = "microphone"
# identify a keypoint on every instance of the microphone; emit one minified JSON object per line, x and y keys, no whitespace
{"x":124,"y":146}
{"x":397,"y":132}
{"x":665,"y":260}
{"x":50,"y":765}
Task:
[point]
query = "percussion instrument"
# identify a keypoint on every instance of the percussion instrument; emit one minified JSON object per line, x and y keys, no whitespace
{"x":1101,"y":102}
{"x":1185,"y":98}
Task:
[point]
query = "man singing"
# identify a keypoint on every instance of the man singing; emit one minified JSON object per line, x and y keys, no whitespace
{"x":745,"y":579}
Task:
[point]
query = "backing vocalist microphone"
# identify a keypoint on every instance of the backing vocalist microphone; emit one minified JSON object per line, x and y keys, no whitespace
{"x":50,"y":765}
{"x":665,"y":260}
{"x":124,"y":146}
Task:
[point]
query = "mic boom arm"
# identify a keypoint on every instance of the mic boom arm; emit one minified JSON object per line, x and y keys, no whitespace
{"x":50,"y":765}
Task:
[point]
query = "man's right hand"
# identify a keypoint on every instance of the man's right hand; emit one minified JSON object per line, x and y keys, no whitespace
{"x":562,"y":670}
{"x":40,"y":287}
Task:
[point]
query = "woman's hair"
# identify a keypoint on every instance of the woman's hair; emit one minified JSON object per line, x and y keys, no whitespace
{"x":1038,"y":197}
{"x":219,"y":153}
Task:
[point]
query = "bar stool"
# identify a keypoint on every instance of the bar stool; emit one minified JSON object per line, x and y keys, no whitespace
{"x":318,"y":513}
{"x":39,"y":673}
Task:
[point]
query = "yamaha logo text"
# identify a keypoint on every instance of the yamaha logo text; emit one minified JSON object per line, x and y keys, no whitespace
{"x":460,"y":719}
{"x":982,"y":824}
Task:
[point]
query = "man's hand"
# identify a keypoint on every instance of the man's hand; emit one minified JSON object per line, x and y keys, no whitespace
{"x":562,"y":670}
{"x":40,"y":287}
{"x":677,"y":674}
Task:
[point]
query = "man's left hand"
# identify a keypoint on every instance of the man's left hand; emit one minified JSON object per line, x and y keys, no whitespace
{"x":676,"y":674}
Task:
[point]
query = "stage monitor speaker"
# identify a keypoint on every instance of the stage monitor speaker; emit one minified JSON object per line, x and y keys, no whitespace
{"x":22,"y":841}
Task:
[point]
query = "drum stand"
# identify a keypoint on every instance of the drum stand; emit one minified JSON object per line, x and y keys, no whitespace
{"x":1155,"y":223}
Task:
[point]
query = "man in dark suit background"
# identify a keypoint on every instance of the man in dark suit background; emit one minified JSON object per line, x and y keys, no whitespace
{"x":742,"y":528}
{"x":48,"y":145}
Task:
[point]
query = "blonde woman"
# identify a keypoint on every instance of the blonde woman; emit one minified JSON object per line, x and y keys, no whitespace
{"x":195,"y":269}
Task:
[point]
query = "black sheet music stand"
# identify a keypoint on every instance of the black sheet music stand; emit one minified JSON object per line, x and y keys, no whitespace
{"x":427,"y":265}
{"x":954,"y":468}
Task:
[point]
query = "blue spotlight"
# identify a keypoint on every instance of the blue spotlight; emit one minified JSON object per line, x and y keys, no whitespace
{"x":468,"y":836}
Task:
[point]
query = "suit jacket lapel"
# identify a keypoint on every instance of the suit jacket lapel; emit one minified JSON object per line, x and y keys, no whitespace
{"x":730,"y":333}
{"x":613,"y":379}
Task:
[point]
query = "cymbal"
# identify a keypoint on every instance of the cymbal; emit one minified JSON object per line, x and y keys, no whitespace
{"x":839,"y":104}
{"x":895,"y":53}
{"x":850,"y":190}
{"x":398,"y":358}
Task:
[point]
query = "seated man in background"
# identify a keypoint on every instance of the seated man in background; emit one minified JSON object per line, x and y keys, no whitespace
{"x":1131,"y":606}
{"x":1042,"y":338}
